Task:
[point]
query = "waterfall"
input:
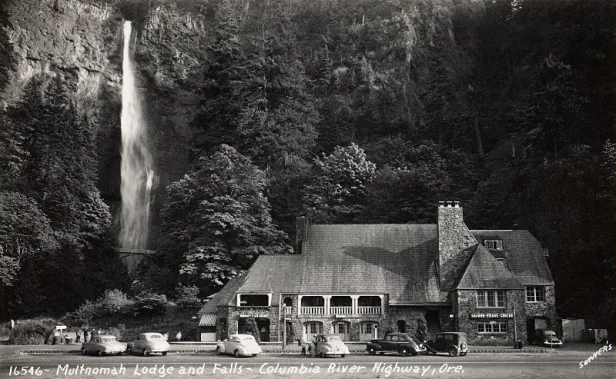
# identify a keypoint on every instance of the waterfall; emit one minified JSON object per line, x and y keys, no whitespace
{"x":136,"y":168}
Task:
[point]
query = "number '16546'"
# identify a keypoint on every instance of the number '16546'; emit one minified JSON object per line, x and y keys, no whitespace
{"x":25,"y":370}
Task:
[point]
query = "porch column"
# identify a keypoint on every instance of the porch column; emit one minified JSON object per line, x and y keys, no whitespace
{"x":238,"y":299}
{"x":382,"y":304}
{"x":299,"y":304}
{"x":269,"y":299}
{"x":354,"y":299}
{"x":327,"y":302}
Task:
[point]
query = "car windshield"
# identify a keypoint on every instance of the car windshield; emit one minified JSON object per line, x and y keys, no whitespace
{"x":155,"y":336}
{"x":108,"y":339}
{"x":248,"y":338}
{"x":549,"y":333}
{"x":332,"y":338}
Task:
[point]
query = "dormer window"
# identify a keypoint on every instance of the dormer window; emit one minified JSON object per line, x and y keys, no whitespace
{"x":493,"y":244}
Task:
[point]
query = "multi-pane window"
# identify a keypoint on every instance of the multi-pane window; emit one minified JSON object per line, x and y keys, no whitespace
{"x":493,"y":244}
{"x":490,"y":298}
{"x":492,"y":327}
{"x":535,"y":294}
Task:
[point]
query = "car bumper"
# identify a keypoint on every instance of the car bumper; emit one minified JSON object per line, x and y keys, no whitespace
{"x":552,"y":344}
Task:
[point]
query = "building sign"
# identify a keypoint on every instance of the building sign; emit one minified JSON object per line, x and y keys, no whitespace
{"x":255,"y":314}
{"x":491,"y":315}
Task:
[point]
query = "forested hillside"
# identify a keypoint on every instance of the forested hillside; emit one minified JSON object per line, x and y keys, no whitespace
{"x":350,"y":111}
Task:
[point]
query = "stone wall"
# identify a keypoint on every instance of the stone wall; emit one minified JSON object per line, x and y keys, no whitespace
{"x":547,"y":310}
{"x":455,"y":243}
{"x":466,"y":304}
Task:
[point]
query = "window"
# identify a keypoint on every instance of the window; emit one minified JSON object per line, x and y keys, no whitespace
{"x":492,"y":327}
{"x":490,"y":299}
{"x":503,"y":261}
{"x":535,"y":294}
{"x":493,"y":244}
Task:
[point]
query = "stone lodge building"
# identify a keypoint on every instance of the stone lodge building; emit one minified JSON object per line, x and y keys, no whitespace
{"x":360,"y":281}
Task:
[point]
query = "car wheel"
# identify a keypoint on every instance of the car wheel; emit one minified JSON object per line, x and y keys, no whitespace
{"x":452,"y":351}
{"x":100,"y":353}
{"x":322,"y":354}
{"x":342,"y":355}
{"x":371,"y":351}
{"x":236,"y":353}
{"x":129,"y":350}
{"x":462,"y":354}
{"x":164,"y":353}
{"x":218,"y":350}
{"x":404,"y":351}
{"x":84,"y":351}
{"x":145,"y":352}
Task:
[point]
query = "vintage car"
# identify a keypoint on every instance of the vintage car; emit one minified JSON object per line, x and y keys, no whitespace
{"x":239,"y":345}
{"x":148,"y":343}
{"x":324,"y":345}
{"x":103,"y":344}
{"x":401,"y":343}
{"x":546,"y":337}
{"x":452,"y":343}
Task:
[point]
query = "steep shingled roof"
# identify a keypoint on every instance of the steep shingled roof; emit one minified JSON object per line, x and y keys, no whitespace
{"x":524,"y":254}
{"x":484,"y":271}
{"x":398,"y":259}
{"x":225,"y":296}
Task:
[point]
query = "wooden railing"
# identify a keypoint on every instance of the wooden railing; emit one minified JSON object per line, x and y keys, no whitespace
{"x":341,"y":310}
{"x":312,"y":310}
{"x":363,"y":310}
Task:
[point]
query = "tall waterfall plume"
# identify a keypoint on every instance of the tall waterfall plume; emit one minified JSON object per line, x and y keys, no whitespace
{"x":136,"y":169}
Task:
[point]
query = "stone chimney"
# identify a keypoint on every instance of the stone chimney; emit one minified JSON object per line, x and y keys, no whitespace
{"x":455,"y":243}
{"x":301,"y":232}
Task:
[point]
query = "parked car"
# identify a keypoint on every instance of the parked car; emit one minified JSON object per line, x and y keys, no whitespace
{"x":402,"y":343}
{"x":103,"y":344}
{"x":546,"y":337}
{"x":323,"y":345}
{"x":239,"y":345}
{"x":452,"y":343}
{"x":148,"y":343}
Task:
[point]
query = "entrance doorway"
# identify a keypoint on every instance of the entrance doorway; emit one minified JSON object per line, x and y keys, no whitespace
{"x":342,"y":329}
{"x":533,"y":324}
{"x":311,"y":328}
{"x":368,"y":330}
{"x":401,"y":324}
{"x":433,"y":323}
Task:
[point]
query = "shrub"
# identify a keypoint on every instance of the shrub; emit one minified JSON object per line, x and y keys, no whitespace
{"x":32,"y":332}
{"x":114,"y":302}
{"x":149,"y":304}
{"x":188,"y":297}
{"x":86,"y":312}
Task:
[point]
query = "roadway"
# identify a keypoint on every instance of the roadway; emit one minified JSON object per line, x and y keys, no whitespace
{"x":208,"y":365}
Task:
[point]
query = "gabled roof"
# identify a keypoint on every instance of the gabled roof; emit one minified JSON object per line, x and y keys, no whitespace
{"x":394,"y":259}
{"x":225,"y":296}
{"x":483,"y":270}
{"x":524,"y":254}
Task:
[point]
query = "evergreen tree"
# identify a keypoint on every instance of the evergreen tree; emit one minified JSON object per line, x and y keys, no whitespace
{"x":219,"y":213}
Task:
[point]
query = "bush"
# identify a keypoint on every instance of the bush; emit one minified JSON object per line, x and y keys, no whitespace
{"x":149,"y":304}
{"x":114,"y":302}
{"x":32,"y":332}
{"x":188,"y":297}
{"x":86,"y":312}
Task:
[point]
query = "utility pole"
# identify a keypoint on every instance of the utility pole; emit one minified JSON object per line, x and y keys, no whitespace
{"x":284,"y":327}
{"x":515,"y":331}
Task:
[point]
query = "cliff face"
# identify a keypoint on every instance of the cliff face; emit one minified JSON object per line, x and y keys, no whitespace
{"x":82,"y":42}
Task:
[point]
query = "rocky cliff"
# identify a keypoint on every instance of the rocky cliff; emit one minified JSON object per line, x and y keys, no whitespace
{"x":82,"y":42}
